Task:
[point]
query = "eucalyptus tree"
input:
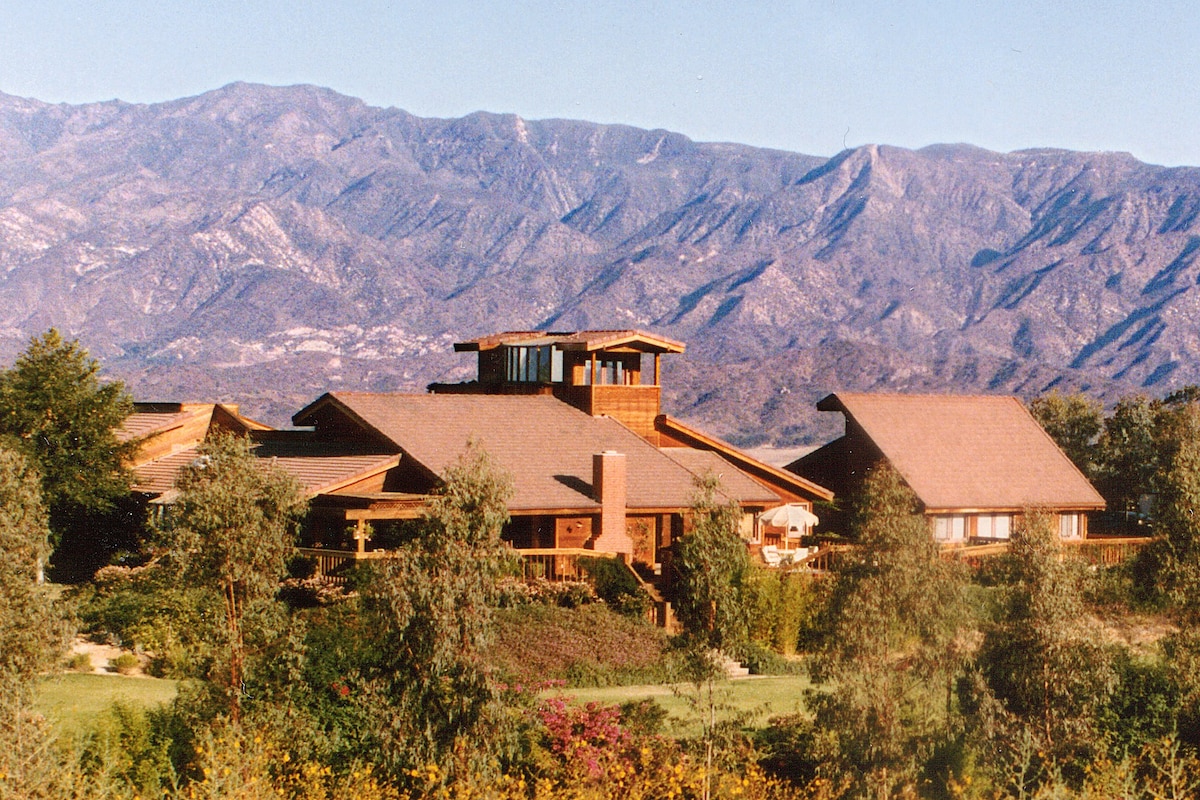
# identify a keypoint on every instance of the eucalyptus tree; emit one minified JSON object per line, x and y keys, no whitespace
{"x":233,"y":529}
{"x":894,"y":645}
{"x":711,"y":562}
{"x":1047,"y":677}
{"x":31,"y":628}
{"x":32,"y":634}
{"x":430,"y":609}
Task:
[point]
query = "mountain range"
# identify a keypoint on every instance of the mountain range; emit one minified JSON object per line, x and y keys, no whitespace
{"x":261,"y":245}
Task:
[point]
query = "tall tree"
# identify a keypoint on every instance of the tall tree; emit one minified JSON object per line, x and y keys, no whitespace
{"x":54,"y":405}
{"x":1040,"y":660}
{"x":32,"y":635}
{"x":1129,"y":452}
{"x":712,"y":562}
{"x":31,"y":630}
{"x":893,"y":645}
{"x":430,"y":608}
{"x":1177,"y":510}
{"x":1073,"y":421}
{"x":55,"y":409}
{"x":233,"y":529}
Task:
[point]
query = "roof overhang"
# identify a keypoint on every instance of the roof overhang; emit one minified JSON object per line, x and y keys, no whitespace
{"x":630,"y":341}
{"x":748,"y":463}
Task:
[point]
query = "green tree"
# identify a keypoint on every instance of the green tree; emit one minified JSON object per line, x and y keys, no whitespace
{"x":1040,"y":661}
{"x":711,"y":562}
{"x":430,"y":610}
{"x":32,"y":633}
{"x":1177,"y":507}
{"x":233,"y":530}
{"x":1073,"y":421}
{"x":31,"y":629}
{"x":55,"y":409}
{"x":1128,"y":452}
{"x":893,"y":647}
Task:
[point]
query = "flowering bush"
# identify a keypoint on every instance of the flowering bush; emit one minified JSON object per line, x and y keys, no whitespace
{"x":567,"y":594}
{"x":587,"y":738}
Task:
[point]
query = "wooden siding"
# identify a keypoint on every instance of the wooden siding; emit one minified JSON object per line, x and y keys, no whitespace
{"x":191,"y":431}
{"x":636,"y":407}
{"x":572,"y":531}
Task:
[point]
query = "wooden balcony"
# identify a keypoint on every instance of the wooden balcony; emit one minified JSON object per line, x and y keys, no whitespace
{"x":557,"y":563}
{"x":552,"y":564}
{"x":1101,"y":551}
{"x":331,"y":565}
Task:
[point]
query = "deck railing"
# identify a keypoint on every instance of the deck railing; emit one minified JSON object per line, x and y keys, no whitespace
{"x":562,"y":564}
{"x":822,"y":559}
{"x":552,"y":564}
{"x":1100,"y":551}
{"x":1108,"y":552}
{"x":331,"y":565}
{"x":556,"y":563}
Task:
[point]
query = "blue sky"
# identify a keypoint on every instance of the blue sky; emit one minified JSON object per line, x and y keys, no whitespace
{"x":805,"y":76}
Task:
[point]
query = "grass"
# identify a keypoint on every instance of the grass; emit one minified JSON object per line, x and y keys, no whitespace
{"x":72,"y":701}
{"x":757,"y":699}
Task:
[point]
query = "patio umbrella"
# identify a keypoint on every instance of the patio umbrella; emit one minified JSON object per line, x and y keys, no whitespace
{"x":793,"y":516}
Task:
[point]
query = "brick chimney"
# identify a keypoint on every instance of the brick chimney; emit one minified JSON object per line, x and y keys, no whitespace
{"x":608,"y":484}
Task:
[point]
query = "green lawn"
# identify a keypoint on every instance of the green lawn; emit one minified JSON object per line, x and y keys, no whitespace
{"x":760,"y":698}
{"x":72,"y":700}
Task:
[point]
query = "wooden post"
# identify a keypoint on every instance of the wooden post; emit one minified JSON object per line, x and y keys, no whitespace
{"x":593,"y":369}
{"x":656,"y":375}
{"x":360,"y":536}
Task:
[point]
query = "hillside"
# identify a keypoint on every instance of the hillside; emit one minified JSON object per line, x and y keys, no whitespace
{"x":261,"y":245}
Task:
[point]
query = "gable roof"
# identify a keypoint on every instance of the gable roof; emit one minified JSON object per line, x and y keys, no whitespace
{"x":587,"y":341}
{"x":744,"y":461}
{"x":319,"y":467}
{"x":732,"y":480}
{"x":544,"y":444}
{"x":163,"y":428}
{"x":967,"y":451}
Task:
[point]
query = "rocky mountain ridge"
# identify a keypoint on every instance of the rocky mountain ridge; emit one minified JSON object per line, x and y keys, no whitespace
{"x":263,"y":244}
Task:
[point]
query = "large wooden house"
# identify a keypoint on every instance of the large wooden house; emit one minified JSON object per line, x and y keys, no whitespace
{"x":573,"y":418}
{"x":975,"y":463}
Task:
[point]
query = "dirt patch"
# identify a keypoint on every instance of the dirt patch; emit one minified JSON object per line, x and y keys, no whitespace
{"x":102,"y":657}
{"x":1136,"y":631}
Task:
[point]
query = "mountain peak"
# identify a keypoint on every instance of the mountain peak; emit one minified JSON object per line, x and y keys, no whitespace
{"x":267,"y":243}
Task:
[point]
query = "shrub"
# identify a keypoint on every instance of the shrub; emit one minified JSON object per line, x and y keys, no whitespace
{"x":781,"y":605}
{"x":513,"y":592}
{"x":145,"y":609}
{"x":80,"y":662}
{"x":763,"y":661}
{"x":617,"y":586}
{"x":125,"y":664}
{"x":586,"y":646}
{"x":301,"y":567}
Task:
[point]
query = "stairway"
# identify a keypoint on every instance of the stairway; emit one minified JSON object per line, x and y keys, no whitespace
{"x":732,"y":668}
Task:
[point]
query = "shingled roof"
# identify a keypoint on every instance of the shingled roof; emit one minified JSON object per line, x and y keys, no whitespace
{"x":318,"y":467}
{"x":966,"y":452}
{"x":545,"y":445}
{"x":576,"y":340}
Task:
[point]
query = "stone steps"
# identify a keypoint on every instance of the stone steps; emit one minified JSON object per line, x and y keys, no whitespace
{"x":732,"y":667}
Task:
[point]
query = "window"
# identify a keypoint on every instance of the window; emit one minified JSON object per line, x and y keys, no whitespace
{"x":994,"y":526}
{"x":950,"y":528}
{"x":1068,"y":526}
{"x":534,"y":365}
